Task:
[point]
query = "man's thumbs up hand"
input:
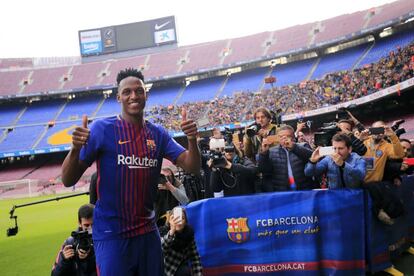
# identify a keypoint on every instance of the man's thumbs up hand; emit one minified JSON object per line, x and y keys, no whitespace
{"x":81,"y":134}
{"x":189,"y":127}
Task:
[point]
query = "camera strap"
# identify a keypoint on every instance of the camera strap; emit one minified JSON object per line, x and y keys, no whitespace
{"x":224,"y":182}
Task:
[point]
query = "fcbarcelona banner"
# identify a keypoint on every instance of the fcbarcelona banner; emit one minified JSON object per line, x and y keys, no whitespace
{"x":291,"y":233}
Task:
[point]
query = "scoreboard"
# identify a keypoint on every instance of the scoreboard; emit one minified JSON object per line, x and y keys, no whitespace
{"x":132,"y":36}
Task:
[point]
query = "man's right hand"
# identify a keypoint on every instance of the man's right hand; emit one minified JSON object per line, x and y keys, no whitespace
{"x":315,"y":156}
{"x":81,"y":134}
{"x":68,"y":252}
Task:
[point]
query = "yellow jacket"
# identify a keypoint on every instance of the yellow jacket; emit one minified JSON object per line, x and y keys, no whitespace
{"x":381,"y":153}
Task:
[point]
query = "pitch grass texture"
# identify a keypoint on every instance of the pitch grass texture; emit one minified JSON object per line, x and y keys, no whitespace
{"x":42,"y":230}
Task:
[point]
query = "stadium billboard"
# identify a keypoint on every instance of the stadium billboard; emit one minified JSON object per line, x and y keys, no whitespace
{"x":132,"y":36}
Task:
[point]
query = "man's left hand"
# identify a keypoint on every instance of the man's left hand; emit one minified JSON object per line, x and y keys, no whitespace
{"x":189,"y":127}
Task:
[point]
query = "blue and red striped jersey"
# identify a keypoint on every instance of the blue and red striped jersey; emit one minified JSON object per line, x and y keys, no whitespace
{"x":128,"y":162}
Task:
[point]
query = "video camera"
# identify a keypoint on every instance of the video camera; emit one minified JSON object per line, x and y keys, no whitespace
{"x":82,"y":240}
{"x":324,"y":135}
{"x":253,"y":129}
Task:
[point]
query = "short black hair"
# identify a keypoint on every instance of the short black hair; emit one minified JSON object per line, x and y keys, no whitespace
{"x":342,"y":137}
{"x":129,"y":72}
{"x":405,"y":140}
{"x":85,"y":211}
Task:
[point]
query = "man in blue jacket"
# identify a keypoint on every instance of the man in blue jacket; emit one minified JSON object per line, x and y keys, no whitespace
{"x":343,"y":168}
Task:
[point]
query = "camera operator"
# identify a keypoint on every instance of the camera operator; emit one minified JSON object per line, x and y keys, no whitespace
{"x":171,"y":193}
{"x":233,"y":174}
{"x":255,"y":133}
{"x":77,"y":255}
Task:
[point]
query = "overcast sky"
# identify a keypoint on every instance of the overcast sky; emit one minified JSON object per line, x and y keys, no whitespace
{"x":43,"y":28}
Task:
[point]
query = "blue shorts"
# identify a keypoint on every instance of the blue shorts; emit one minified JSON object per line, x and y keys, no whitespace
{"x":140,"y":255}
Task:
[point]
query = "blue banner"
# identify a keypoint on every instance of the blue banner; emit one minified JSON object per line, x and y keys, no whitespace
{"x":291,"y":233}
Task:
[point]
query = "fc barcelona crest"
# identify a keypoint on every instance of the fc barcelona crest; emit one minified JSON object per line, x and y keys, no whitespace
{"x":237,"y":230}
{"x":151,"y":144}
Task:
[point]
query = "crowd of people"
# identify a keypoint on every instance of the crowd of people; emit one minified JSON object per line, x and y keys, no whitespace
{"x":332,"y":89}
{"x":137,"y":227}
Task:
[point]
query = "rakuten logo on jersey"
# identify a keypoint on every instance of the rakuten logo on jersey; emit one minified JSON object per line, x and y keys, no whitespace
{"x":135,"y":162}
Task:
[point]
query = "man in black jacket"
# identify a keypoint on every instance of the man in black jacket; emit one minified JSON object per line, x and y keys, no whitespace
{"x":285,"y":163}
{"x":235,"y":177}
{"x":72,"y":261}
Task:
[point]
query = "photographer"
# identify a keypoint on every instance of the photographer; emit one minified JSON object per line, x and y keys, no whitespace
{"x":255,"y":133}
{"x":232,"y":174}
{"x":171,"y":193}
{"x":357,"y":144}
{"x":285,"y":164}
{"x":344,"y":169}
{"x":386,"y":204}
{"x":77,"y":256}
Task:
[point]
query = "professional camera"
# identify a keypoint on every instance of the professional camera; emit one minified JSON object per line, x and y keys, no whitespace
{"x":82,"y":240}
{"x":396,"y":127}
{"x":218,"y":159}
{"x":252,"y":129}
{"x":324,"y":135}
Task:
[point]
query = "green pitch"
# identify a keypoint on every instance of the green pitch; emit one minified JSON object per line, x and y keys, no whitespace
{"x":42,"y":230}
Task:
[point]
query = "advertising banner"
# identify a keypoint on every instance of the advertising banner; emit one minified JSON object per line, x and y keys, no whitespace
{"x":291,"y":233}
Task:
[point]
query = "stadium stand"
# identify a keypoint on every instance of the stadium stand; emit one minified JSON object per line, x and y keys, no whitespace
{"x":294,"y":72}
{"x":246,"y":81}
{"x":384,"y":46}
{"x":78,"y":106}
{"x":109,"y":107}
{"x":12,"y":82}
{"x":246,"y":48}
{"x":21,"y":138}
{"x":84,"y":76}
{"x":163,"y":64}
{"x":40,"y":112}
{"x":344,"y":60}
{"x":14,"y":63}
{"x":9,"y":114}
{"x":389,"y":11}
{"x":43,"y":80}
{"x":201,"y":90}
{"x":163,"y":95}
{"x":202,"y":57}
{"x":116,"y":65}
{"x":58,"y":135}
{"x":290,"y":39}
{"x":339,"y":26}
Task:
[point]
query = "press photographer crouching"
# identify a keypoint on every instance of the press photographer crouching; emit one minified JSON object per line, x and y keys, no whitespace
{"x":231,"y":172}
{"x":77,"y":255}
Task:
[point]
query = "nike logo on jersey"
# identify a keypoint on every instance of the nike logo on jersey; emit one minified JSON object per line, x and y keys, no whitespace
{"x":158,"y":27}
{"x":123,"y":142}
